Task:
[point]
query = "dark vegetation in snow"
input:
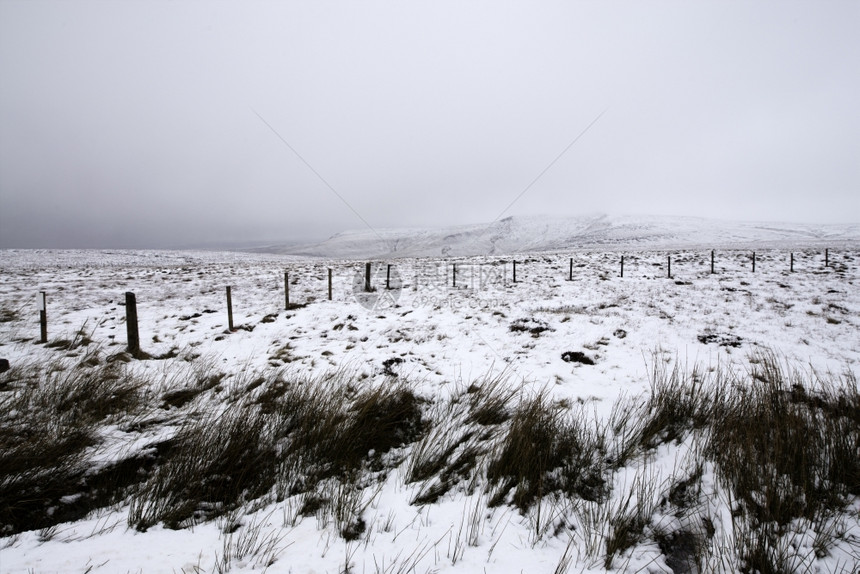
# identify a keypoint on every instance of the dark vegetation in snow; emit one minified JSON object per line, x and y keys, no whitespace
{"x":576,"y":357}
{"x":784,"y":445}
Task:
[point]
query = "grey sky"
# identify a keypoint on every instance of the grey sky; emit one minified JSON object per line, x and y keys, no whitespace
{"x":133,"y":124}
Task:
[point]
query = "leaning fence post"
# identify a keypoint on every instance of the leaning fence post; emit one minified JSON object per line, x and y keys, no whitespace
{"x":329,"y":283}
{"x":131,"y":323}
{"x":229,"y":308}
{"x":286,"y":291}
{"x":43,"y":317}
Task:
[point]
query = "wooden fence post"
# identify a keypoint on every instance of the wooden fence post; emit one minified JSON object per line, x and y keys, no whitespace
{"x":570,"y":273}
{"x":286,"y":291}
{"x":515,"y":270}
{"x":827,"y":258}
{"x":367,"y":286}
{"x":669,"y":266}
{"x":43,"y":317}
{"x":712,"y":261}
{"x":329,"y":283}
{"x":131,"y":323}
{"x":229,"y":308}
{"x":753,"y":261}
{"x":622,"y":266}
{"x":454,"y":275}
{"x":791,"y":265}
{"x":388,"y":277}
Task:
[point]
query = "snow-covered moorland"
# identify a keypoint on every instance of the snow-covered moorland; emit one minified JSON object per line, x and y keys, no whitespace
{"x":570,"y":421}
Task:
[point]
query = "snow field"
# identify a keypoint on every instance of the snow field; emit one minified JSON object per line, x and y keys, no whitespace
{"x":438,"y":341}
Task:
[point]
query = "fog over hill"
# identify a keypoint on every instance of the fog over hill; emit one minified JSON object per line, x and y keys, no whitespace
{"x":536,"y":234}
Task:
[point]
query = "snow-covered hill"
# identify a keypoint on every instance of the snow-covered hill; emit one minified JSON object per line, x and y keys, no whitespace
{"x":531,"y":234}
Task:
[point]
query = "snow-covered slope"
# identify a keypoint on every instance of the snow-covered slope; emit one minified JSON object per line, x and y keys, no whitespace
{"x":443,"y":343}
{"x":530,"y":234}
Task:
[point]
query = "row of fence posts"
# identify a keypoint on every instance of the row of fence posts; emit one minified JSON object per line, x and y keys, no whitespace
{"x":131,"y":301}
{"x":454,"y":273}
{"x":669,"y":264}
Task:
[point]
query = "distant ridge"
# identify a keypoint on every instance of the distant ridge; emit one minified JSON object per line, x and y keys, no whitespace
{"x":541,"y":234}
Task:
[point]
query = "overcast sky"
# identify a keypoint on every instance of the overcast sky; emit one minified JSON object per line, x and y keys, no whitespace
{"x":158,"y":124}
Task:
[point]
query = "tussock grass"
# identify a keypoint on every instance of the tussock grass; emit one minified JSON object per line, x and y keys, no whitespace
{"x":218,"y":461}
{"x":787,"y":446}
{"x":49,"y":418}
{"x":613,"y":525}
{"x":181,"y":396}
{"x":784,"y":446}
{"x":678,"y":403}
{"x":243,"y":542}
{"x":779,"y":446}
{"x":519,"y":448}
{"x":546,"y":449}
{"x":785,"y":449}
{"x":284,"y":438}
{"x":8,"y":313}
{"x":338,"y":426}
{"x":459,"y":436}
